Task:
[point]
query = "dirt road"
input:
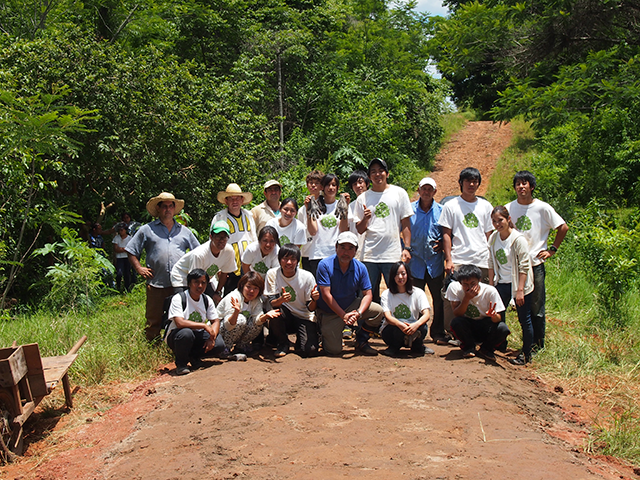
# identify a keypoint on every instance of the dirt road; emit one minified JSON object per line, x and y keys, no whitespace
{"x":436,"y":417}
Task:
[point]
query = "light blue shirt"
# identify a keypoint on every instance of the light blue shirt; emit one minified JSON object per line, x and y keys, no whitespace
{"x":424,"y":232}
{"x":164,"y":248}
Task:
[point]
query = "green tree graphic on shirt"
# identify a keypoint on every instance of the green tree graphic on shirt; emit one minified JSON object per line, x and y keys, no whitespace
{"x":523,"y":223}
{"x":501,"y":257}
{"x":382,"y":210}
{"x":284,"y":240}
{"x":470,"y":220}
{"x":472,"y":311}
{"x":402,"y":312}
{"x":195,"y":317}
{"x":246,"y":313}
{"x":260,"y":267}
{"x":291,"y":292}
{"x":212,"y":270}
{"x":329,"y":221}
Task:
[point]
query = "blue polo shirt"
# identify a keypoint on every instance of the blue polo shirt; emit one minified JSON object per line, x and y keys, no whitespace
{"x":344,"y":286}
{"x":425,"y":230}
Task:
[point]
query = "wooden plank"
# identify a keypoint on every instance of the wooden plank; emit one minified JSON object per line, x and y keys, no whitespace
{"x":13,"y":366}
{"x":35,"y":370}
{"x":56,"y":367}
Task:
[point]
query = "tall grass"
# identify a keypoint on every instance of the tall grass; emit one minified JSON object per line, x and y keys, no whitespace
{"x":453,"y":122}
{"x":115,"y":350}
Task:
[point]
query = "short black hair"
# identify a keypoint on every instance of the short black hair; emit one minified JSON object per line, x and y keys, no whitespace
{"x":358,"y":175}
{"x":269,"y":230}
{"x":466,"y":272}
{"x":380,"y":162}
{"x":469,"y":173}
{"x":289,"y":250}
{"x":525,"y":176}
{"x":195,"y":274}
{"x":289,"y":200}
{"x":393,"y":286}
{"x":328,"y":178}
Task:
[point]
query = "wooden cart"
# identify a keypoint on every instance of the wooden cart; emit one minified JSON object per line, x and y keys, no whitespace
{"x":25,"y":379}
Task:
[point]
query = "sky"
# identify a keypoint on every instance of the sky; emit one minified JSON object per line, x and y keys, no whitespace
{"x":434,"y":7}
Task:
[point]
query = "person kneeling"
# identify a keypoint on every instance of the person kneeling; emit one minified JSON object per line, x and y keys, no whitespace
{"x":194,"y":323}
{"x":242,"y":317}
{"x":469,"y":298}
{"x":294,"y":292}
{"x":406,"y":312}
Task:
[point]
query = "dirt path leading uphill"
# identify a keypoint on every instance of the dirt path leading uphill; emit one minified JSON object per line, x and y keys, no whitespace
{"x":437,"y":417}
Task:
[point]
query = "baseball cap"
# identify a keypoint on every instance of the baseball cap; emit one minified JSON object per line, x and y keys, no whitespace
{"x":348,"y":237}
{"x":428,"y":181}
{"x":220,"y":226}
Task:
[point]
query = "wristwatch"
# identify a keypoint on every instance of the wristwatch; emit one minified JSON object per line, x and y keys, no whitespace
{"x":553,"y":248}
{"x":409,"y":249}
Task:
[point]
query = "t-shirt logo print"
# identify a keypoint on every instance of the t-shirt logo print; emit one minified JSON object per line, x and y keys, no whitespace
{"x":283,"y":241}
{"x":523,"y":223}
{"x":246,"y":313}
{"x":472,"y":311}
{"x":329,"y":221}
{"x":402,"y":311}
{"x":260,"y":267}
{"x":212,"y":270}
{"x":382,"y":210}
{"x":195,"y":317}
{"x":291,"y":292}
{"x":501,"y":257}
{"x":470,"y":220}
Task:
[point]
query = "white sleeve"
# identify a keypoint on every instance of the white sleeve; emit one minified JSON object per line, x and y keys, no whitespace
{"x":175,"y":310}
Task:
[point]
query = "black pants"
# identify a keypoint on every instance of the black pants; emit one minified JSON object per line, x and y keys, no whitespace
{"x":307,"y":338}
{"x":482,"y":331}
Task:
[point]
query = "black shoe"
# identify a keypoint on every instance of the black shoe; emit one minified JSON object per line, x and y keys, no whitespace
{"x":519,"y":360}
{"x":390,"y":352}
{"x":487,"y":354}
{"x":366,"y":349}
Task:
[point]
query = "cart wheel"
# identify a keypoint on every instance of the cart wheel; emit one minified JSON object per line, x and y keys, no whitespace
{"x":6,"y":431}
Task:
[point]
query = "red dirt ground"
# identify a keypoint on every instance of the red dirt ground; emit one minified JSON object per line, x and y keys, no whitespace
{"x":437,"y":417}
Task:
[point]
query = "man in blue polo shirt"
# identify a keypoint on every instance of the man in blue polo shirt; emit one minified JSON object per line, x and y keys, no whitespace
{"x":346,"y":298}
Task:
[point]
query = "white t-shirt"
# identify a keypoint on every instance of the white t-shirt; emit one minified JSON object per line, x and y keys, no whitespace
{"x":382,"y":237}
{"x":194,"y":311}
{"x":353,"y":229}
{"x":243,"y":231}
{"x":406,"y":308}
{"x":478,"y":305}
{"x":121,"y":242}
{"x":295,"y":232}
{"x":535,"y":221}
{"x":299,"y":286}
{"x":469,"y":223}
{"x":323,"y":243}
{"x":259,"y":263}
{"x":201,"y":257}
{"x":249,"y":310}
{"x":302,"y":218}
{"x":503,"y":254}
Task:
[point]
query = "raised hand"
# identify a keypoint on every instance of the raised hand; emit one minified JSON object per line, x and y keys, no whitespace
{"x":492,"y":310}
{"x":286,"y":296}
{"x":235,"y":304}
{"x":315,"y":294}
{"x":367,"y":213}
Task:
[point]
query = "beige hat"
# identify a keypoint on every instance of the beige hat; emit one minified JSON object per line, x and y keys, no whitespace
{"x":234,"y":190}
{"x":271,"y":183}
{"x":152,"y":205}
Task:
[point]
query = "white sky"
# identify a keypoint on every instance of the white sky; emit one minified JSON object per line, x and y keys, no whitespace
{"x":434,"y":7}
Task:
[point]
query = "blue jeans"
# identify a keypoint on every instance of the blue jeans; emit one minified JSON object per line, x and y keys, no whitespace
{"x":538,"y":300}
{"x":376,"y":272}
{"x":524,"y":316}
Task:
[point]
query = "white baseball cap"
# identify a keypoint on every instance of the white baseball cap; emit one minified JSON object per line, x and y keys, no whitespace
{"x":428,"y":181}
{"x":348,"y":237}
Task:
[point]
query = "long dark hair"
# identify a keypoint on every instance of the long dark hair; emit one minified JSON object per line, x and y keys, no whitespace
{"x":393,"y":286}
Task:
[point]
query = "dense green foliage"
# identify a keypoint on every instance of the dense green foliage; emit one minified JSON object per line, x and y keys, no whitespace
{"x":569,"y":66}
{"x":187,"y":96}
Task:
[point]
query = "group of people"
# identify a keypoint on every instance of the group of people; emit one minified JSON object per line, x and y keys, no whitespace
{"x":315,"y":270}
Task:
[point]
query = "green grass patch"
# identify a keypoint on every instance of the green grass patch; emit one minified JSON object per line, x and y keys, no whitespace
{"x":116,"y":348}
{"x":453,"y":122}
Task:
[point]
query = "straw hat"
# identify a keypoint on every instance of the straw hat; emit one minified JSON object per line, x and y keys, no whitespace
{"x":234,"y":190}
{"x":152,"y":205}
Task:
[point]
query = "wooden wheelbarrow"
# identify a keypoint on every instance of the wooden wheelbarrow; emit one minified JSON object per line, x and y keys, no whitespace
{"x":25,"y":379}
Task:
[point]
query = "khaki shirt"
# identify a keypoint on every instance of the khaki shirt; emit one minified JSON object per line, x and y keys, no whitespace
{"x":262,"y":214}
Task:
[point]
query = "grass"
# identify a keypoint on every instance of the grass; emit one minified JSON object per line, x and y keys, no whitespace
{"x":584,"y":351}
{"x":453,"y":122}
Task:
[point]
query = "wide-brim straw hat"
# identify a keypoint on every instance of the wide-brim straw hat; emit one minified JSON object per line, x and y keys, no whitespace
{"x":234,"y":190}
{"x":152,"y":205}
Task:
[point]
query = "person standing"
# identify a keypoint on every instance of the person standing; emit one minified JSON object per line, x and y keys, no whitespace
{"x":427,"y":259}
{"x":165,"y":242}
{"x":242,"y":228}
{"x":382,"y":215}
{"x":536,"y":219}
{"x":270,"y":208}
{"x":123,"y":267}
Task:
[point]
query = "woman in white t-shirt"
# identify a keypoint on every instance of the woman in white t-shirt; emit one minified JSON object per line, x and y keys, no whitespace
{"x":406,"y":313}
{"x":241,"y":316}
{"x":290,"y":229}
{"x":262,"y":255}
{"x":194,"y":323}
{"x":123,"y":267}
{"x":511,"y":272}
{"x":324,"y":230}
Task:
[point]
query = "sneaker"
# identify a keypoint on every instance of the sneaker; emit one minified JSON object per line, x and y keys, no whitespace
{"x":468,"y":354}
{"x":237,"y":357}
{"x":519,"y":360}
{"x":196,"y":364}
{"x":487,"y":354}
{"x":428,"y":351}
{"x":366,"y":349}
{"x":454,"y":343}
{"x":183,"y":371}
{"x":390,"y":352}
{"x":280,"y":353}
{"x":347,"y":333}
